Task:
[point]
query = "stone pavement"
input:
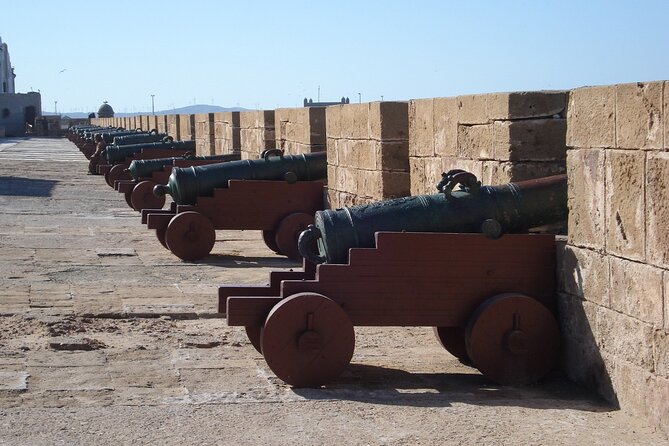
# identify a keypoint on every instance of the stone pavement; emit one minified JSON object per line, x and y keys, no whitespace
{"x":106,"y":337}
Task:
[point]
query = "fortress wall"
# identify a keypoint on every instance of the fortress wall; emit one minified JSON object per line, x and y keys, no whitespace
{"x":161,"y":123}
{"x":204,"y":134}
{"x":614,"y":267}
{"x":256,"y":132}
{"x":173,"y":126}
{"x":300,"y":130}
{"x":226,"y":133}
{"x":367,"y":146}
{"x":499,"y":137}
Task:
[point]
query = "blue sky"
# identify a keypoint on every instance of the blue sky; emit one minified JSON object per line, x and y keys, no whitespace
{"x":269,"y":54}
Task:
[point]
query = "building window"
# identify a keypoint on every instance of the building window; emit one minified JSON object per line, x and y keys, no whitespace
{"x":4,"y":87}
{"x":5,"y":113}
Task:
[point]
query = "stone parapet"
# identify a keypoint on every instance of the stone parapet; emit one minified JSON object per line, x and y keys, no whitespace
{"x":614,"y":266}
{"x":256,"y":132}
{"x":226,"y":133}
{"x":368,"y":152}
{"x":204,"y":134}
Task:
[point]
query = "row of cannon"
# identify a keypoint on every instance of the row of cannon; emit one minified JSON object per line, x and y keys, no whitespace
{"x":465,"y":260}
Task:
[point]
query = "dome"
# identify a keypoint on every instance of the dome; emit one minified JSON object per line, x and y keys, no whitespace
{"x":105,"y":111}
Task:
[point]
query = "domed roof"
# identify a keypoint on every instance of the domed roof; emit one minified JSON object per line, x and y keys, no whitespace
{"x":105,"y":111}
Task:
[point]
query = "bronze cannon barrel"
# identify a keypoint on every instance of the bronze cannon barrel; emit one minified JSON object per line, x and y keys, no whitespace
{"x":144,"y":168}
{"x":152,"y":136}
{"x":493,"y":210}
{"x":116,"y":154}
{"x":186,"y":184}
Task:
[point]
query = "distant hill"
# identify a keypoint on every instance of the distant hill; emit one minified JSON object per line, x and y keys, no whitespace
{"x":189,"y":110}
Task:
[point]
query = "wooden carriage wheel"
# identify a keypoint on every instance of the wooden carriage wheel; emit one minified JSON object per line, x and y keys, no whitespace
{"x":143,"y":197}
{"x":307,"y":340}
{"x":190,"y":235}
{"x":513,"y":339}
{"x":453,"y":340}
{"x":287,"y":232}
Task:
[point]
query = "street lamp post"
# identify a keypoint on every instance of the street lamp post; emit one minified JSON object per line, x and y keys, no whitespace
{"x":359,"y":98}
{"x":153,"y":110}
{"x":55,"y":107}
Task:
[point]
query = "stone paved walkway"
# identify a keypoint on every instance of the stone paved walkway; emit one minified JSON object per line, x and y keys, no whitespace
{"x":105,"y":337}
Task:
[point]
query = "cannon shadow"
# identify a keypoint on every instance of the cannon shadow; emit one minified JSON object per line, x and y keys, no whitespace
{"x":26,"y":187}
{"x":389,"y":386}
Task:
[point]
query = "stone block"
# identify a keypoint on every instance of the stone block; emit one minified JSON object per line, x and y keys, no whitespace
{"x":636,"y":289}
{"x":370,"y":184}
{"x":355,"y":121}
{"x":389,"y":120}
{"x":475,"y":142}
{"x":395,"y":184}
{"x":445,"y":123}
{"x":421,"y":127}
{"x":161,"y":124}
{"x":531,"y":104}
{"x":498,"y":172}
{"x":639,"y":115}
{"x":657,"y":208}
{"x":583,"y":273}
{"x":586,"y":198}
{"x":472,"y":109}
{"x":315,"y":127}
{"x":625,"y":337}
{"x":625,"y":209}
{"x":332,"y":176}
{"x":363,"y":154}
{"x":393,"y":155}
{"x":661,"y":349}
{"x":529,"y":140}
{"x":332,"y":151}
{"x":425,"y":173}
{"x":173,"y":126}
{"x":591,"y":117}
{"x":581,"y":359}
{"x":333,"y":121}
{"x":665,"y":107}
{"x":187,"y":127}
{"x":659,"y":409}
{"x":666,"y":300}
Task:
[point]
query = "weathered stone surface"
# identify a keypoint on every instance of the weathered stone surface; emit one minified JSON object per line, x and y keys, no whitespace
{"x":533,"y":104}
{"x":584,"y":273}
{"x":421,"y":128}
{"x":581,"y":359}
{"x":186,"y":127}
{"x":333,"y":121}
{"x":75,"y":343}
{"x":586,"y":198}
{"x":14,"y":381}
{"x":425,"y":173}
{"x":666,"y":300}
{"x":591,"y":117}
{"x":625,"y":210}
{"x":396,"y":184}
{"x":665,"y":108}
{"x":501,"y":172}
{"x":661,"y":349}
{"x":391,"y":155}
{"x":445,"y":124}
{"x":639,"y":115}
{"x":625,"y":337}
{"x":389,"y":120}
{"x":657,"y":208}
{"x":315,"y":126}
{"x":636,"y":290}
{"x":473,"y":109}
{"x":355,"y":121}
{"x":173,"y":126}
{"x":475,"y":142}
{"x":332,"y":148}
{"x":529,"y":140}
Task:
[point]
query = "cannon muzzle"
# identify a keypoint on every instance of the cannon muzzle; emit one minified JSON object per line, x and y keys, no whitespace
{"x":492,"y":210}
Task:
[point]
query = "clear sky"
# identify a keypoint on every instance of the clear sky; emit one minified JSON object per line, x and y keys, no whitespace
{"x":269,"y":54}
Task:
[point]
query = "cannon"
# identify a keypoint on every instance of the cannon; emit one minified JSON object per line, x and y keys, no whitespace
{"x":123,"y":155}
{"x":147,"y":173}
{"x":152,"y":136}
{"x":488,"y":293}
{"x":493,"y":210}
{"x":275,"y":194}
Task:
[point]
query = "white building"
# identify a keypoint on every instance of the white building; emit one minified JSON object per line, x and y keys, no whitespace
{"x":6,"y":70}
{"x":17,"y":110}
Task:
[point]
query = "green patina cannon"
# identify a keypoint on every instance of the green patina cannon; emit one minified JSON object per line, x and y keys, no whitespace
{"x":117,"y":154}
{"x":144,"y":168}
{"x":492,"y":210}
{"x":152,"y":136}
{"x":186,"y":185}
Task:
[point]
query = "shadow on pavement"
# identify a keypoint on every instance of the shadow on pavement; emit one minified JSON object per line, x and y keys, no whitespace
{"x":26,"y":187}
